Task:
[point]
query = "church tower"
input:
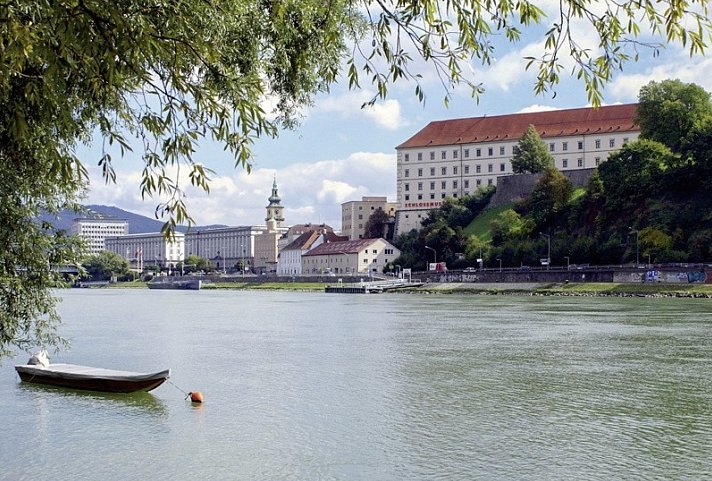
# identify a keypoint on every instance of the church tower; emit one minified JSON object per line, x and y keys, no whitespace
{"x":275,"y":209}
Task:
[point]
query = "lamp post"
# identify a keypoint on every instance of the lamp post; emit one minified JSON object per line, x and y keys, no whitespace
{"x":500,"y":264}
{"x":567,"y":262}
{"x":637,"y":244}
{"x":548,"y":249}
{"x":435,"y":255}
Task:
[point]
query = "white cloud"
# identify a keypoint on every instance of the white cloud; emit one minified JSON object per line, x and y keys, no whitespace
{"x":386,"y":113}
{"x":310,"y":192}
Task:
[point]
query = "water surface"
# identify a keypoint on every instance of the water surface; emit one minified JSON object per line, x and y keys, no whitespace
{"x":312,"y":386}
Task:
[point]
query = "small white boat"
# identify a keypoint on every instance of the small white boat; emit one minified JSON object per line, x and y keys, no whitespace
{"x":74,"y":376}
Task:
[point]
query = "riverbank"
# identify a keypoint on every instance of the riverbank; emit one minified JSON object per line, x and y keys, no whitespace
{"x":587,"y":289}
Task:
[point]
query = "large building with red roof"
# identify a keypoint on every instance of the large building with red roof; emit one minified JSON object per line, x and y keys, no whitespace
{"x":451,"y":158}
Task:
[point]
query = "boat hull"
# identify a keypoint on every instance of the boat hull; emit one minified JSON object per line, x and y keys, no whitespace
{"x":91,"y":379}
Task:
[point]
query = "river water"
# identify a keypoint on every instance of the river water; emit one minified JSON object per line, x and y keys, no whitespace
{"x":313,"y":386}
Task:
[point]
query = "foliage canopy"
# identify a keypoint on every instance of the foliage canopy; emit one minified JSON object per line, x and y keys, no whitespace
{"x":163,"y":76}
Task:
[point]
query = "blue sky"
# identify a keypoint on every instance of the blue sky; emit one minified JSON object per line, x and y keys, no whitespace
{"x":341,"y":152}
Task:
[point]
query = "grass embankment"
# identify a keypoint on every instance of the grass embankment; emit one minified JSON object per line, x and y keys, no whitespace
{"x":272,"y":286}
{"x":480,"y":225}
{"x":576,"y":289}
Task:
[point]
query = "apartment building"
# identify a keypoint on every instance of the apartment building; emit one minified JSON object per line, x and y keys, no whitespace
{"x":355,"y":214}
{"x":95,"y":231}
{"x":143,"y":250}
{"x":451,"y":158}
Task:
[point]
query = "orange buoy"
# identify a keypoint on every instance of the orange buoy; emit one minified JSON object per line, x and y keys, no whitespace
{"x":196,"y":397}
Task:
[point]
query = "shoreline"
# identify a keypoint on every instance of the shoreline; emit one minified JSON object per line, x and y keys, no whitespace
{"x":589,"y":289}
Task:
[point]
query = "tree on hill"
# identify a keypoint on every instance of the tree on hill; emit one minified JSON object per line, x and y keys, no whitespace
{"x":164,"y":76}
{"x":668,"y":111}
{"x":551,"y":195}
{"x":531,"y":154}
{"x":377,"y":224}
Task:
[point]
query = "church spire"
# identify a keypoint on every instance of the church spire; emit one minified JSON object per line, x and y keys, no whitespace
{"x":274,"y":208}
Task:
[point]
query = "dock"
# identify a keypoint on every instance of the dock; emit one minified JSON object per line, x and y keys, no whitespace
{"x":374,"y":287}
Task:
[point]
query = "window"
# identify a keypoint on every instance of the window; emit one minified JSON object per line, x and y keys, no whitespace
{"x":420,"y":186}
{"x":598,"y":144}
{"x":432,"y":171}
{"x":467,"y":169}
{"x":564,"y":146}
{"x":454,"y":170}
{"x":478,"y":169}
{"x":612,"y":143}
{"x":442,"y":196}
{"x":420,"y":172}
{"x":454,"y":184}
{"x":489,"y":167}
{"x":360,"y":216}
{"x":565,"y":163}
{"x":501,"y":150}
{"x":454,"y":154}
{"x":478,"y":152}
{"x":406,"y":173}
{"x":432,"y":155}
{"x":407,"y":187}
{"x":432,"y":196}
{"x":467,"y":153}
{"x":625,"y":140}
{"x":442,"y":185}
{"x":490,"y":151}
{"x":407,"y":197}
{"x":443,"y":155}
{"x":552,"y":146}
{"x":598,"y":161}
{"x":580,"y":145}
{"x":580,"y":162}
{"x":443,"y":171}
{"x":478,"y":182}
{"x":432,"y":186}
{"x":420,"y":196}
{"x":407,"y":157}
{"x":420,"y":156}
{"x":365,"y":261}
{"x":467,"y":184}
{"x":489,"y":181}
{"x":502,"y":167}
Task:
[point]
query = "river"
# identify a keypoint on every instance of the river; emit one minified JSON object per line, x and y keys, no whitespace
{"x":313,"y":386}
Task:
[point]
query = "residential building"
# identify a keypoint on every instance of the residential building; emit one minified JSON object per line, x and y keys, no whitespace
{"x":451,"y":158}
{"x":355,"y":214}
{"x":143,"y":250}
{"x":95,"y":231}
{"x":353,"y":257}
{"x":290,"y":257}
{"x":225,"y":247}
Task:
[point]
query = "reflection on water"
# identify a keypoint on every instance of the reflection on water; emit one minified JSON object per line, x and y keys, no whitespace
{"x":131,"y":404}
{"x":309,"y":386}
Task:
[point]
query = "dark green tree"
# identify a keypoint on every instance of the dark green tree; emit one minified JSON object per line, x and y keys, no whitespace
{"x":377,"y":224}
{"x":531,"y":154}
{"x":105,"y":265}
{"x":550,"y":197}
{"x":669,"y":110}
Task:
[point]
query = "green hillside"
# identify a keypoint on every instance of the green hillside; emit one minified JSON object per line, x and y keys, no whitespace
{"x":481,"y":225}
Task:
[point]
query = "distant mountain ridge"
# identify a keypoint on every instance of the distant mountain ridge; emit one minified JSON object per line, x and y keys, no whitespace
{"x":138,"y":224}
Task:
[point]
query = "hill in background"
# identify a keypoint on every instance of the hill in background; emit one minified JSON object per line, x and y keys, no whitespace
{"x":138,"y":224}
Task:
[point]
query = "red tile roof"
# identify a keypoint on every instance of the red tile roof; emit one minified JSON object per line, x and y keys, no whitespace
{"x":343,"y":247}
{"x":553,"y":123}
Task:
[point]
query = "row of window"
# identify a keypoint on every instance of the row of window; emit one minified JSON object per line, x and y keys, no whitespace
{"x":502,"y":150}
{"x":455,"y":170}
{"x":443,"y":184}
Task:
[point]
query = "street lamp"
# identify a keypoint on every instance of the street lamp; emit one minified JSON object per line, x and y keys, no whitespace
{"x":567,"y":262}
{"x":500,"y":264}
{"x":548,"y":249}
{"x":637,"y":243}
{"x":435,"y":254}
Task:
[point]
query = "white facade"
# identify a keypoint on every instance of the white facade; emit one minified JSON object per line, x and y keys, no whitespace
{"x":95,"y":231}
{"x":455,"y":158}
{"x":364,"y":256}
{"x":290,"y":257}
{"x":224,"y":246}
{"x":143,"y":250}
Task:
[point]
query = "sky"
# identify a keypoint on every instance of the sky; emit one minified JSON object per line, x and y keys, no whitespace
{"x":341,"y":152}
